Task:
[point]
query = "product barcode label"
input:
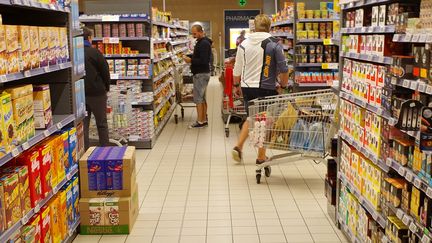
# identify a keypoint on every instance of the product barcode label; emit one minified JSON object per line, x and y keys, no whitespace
{"x":422,"y":38}
{"x":389,"y":162}
{"x":110,"y":18}
{"x":415,"y":38}
{"x":409,"y":176}
{"x":15,"y":152}
{"x":413,"y":227}
{"x":417,"y":182}
{"x":429,"y":89}
{"x":421,"y":87}
{"x":400,"y":214}
{"x":3,"y":78}
{"x":406,"y":220}
{"x":406,"y":83}
{"x":59,"y":125}
{"x":401,"y":171}
{"x":429,"y":192}
{"x":24,"y":220}
{"x":413,"y":85}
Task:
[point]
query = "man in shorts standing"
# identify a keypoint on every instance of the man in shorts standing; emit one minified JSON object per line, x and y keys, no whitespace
{"x":259,"y":62}
{"x":200,"y":67}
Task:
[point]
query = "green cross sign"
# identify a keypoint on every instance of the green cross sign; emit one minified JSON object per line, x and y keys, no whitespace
{"x":242,"y":3}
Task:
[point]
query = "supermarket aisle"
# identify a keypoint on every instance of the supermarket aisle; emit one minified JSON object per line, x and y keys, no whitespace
{"x":191,"y":191}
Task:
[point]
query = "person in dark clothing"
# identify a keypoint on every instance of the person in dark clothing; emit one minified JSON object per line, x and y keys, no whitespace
{"x":97,"y":83}
{"x":200,"y":67}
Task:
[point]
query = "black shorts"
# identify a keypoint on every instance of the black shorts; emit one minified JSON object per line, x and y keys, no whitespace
{"x":254,"y":93}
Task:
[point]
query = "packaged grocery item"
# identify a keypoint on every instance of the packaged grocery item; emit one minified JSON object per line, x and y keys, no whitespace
{"x":45,"y":215}
{"x":44,"y":37}
{"x":34,"y":47}
{"x":24,"y":41}
{"x":35,"y":221}
{"x":46,"y":156}
{"x":55,"y":219}
{"x":63,"y":45}
{"x":53,"y":45}
{"x":24,"y":186}
{"x":65,"y":157}
{"x":69,"y":204}
{"x":75,"y":197}
{"x":58,"y":153}
{"x":7,"y":126}
{"x":11,"y":199}
{"x":96,"y":211}
{"x":12,"y":49}
{"x":73,"y":146}
{"x":28,"y":234}
{"x":42,"y":106}
{"x":3,"y":51}
{"x":31,"y":159}
{"x":63,"y":220}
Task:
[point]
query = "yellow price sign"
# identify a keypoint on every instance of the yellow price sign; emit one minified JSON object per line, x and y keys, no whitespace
{"x":328,"y":42}
{"x":329,"y":65}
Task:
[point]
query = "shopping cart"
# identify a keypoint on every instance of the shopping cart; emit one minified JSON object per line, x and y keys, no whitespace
{"x":300,"y":123}
{"x":232,"y":105}
{"x":184,"y":95}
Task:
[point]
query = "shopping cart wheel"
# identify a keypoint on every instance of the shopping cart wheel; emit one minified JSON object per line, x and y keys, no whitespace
{"x":258,"y":176}
{"x":227,"y":132}
{"x":182,"y":112}
{"x":176,"y":118}
{"x":267,"y":171}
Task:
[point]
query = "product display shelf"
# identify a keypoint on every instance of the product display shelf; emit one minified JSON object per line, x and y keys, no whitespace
{"x":282,"y":23}
{"x":370,"y":29}
{"x":163,"y":86}
{"x":60,"y":121}
{"x":317,"y":20}
{"x":34,"y":72}
{"x":163,"y":24}
{"x":166,"y":56}
{"x":71,"y":233}
{"x":181,"y":27}
{"x":164,"y":101}
{"x":368,"y":58}
{"x":364,"y":104}
{"x":35,"y":5}
{"x":363,"y":201}
{"x":111,"y":56}
{"x":165,"y":120}
{"x":313,"y":85}
{"x":413,"y":38}
{"x":115,"y":76}
{"x":115,"y":19}
{"x":416,"y":85}
{"x":162,"y":74}
{"x":180,"y":42}
{"x":361,"y":3}
{"x":4,"y":237}
{"x":286,"y":35}
{"x":348,"y":233}
{"x":322,"y":65}
{"x":115,"y":40}
{"x":161,"y":40}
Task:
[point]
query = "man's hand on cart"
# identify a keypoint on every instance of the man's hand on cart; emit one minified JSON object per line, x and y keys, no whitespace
{"x":237,"y":92}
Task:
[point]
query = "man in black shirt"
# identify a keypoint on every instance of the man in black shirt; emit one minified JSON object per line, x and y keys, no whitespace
{"x":200,"y":67}
{"x":97,"y":83}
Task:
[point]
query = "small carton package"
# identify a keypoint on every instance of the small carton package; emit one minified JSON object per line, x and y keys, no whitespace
{"x":42,"y":106}
{"x":12,"y":49}
{"x":3,"y":54}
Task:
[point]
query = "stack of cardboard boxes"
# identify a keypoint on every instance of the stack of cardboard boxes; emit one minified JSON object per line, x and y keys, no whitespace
{"x":109,"y":203}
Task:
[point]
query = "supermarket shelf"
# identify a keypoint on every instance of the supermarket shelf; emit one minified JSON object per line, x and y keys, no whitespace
{"x":163,"y":24}
{"x":369,"y":58}
{"x":312,"y":84}
{"x":24,"y":220}
{"x":316,"y":20}
{"x":163,"y":74}
{"x":181,"y":27}
{"x":142,"y":103}
{"x":321,"y":65}
{"x":76,"y":33}
{"x":34,"y":72}
{"x":159,"y":107}
{"x":370,"y":29}
{"x":165,"y":120}
{"x":158,"y":41}
{"x":286,"y":35}
{"x":115,"y":18}
{"x":280,"y":23}
{"x":163,"y":86}
{"x":364,"y":104}
{"x":363,"y":201}
{"x":416,"y":85}
{"x":361,"y":3}
{"x":310,"y":41}
{"x":115,"y":76}
{"x":348,"y":233}
{"x":34,"y":4}
{"x":115,"y":40}
{"x":413,"y":38}
{"x":162,"y":58}
{"x":72,"y":232}
{"x":60,"y":121}
{"x":378,"y":162}
{"x":181,"y":50}
{"x":178,"y":34}
{"x":174,"y":43}
{"x":144,"y":55}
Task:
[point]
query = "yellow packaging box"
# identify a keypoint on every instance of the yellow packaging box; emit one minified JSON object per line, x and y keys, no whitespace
{"x":55,"y":220}
{"x":43,"y":45}
{"x":24,"y":40}
{"x":8,"y":122}
{"x":63,"y":222}
{"x":3,"y":60}
{"x":12,"y":49}
{"x":34,"y":47}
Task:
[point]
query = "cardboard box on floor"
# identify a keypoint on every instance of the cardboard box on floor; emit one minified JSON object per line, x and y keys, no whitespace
{"x":129,"y":176}
{"x":109,"y":216}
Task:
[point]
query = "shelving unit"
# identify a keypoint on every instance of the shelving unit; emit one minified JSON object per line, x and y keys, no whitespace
{"x":359,"y":108}
{"x":61,"y":78}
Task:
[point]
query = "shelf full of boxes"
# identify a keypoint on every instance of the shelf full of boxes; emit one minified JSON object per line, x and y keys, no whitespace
{"x":385,"y":152}
{"x":40,"y":143}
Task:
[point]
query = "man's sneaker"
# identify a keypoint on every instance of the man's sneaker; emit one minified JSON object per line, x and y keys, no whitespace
{"x":198,"y":125}
{"x":237,"y":154}
{"x":258,"y":162}
{"x":205,"y":123}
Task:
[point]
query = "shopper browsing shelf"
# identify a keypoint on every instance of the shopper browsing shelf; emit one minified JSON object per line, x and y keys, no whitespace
{"x":200,"y":67}
{"x":97,"y":83}
{"x":259,"y":62}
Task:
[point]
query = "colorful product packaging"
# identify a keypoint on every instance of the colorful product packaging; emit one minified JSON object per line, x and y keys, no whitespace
{"x":35,"y":221}
{"x":34,"y":47}
{"x":12,"y":48}
{"x":11,"y":200}
{"x":46,"y":156}
{"x":63,"y":221}
{"x":45,"y":224}
{"x":42,"y":106}
{"x":43,"y":46}
{"x":3,"y":57}
{"x":28,"y":234}
{"x":55,"y":219}
{"x":73,"y":146}
{"x":75,"y":197}
{"x":24,"y":41}
{"x":31,"y":159}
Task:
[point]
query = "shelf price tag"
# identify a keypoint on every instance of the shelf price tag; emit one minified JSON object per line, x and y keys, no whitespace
{"x":417,"y":182}
{"x":400,"y":214}
{"x":3,"y":78}
{"x":110,"y":40}
{"x":423,"y":38}
{"x":425,"y":239}
{"x":415,"y":38}
{"x":409,"y":176}
{"x":55,"y":190}
{"x":328,"y":42}
{"x":406,"y":83}
{"x":407,"y":38}
{"x":389,"y":162}
{"x":27,"y":74}
{"x":46,"y":69}
{"x":52,"y":6}
{"x":429,"y":89}
{"x":59,"y":125}
{"x":401,"y":171}
{"x":396,"y":37}
{"x":24,"y":220}
{"x":25,"y":146}
{"x":15,"y":152}
{"x":46,"y":133}
{"x":406,"y":220}
{"x":114,"y":76}
{"x":413,"y":227}
{"x":110,"y":18}
{"x":414,"y":85}
{"x":421,"y":87}
{"x":429,"y":192}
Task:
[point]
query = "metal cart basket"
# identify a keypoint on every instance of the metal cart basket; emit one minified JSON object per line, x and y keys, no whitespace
{"x":300,"y":123}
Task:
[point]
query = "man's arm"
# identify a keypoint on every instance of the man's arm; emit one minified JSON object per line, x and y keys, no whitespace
{"x":204,"y":56}
{"x":282,"y":66}
{"x":238,"y":66}
{"x":104,"y":70}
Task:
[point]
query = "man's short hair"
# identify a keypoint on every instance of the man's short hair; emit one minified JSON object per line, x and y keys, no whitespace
{"x":198,"y":27}
{"x":262,"y":23}
{"x":87,"y":33}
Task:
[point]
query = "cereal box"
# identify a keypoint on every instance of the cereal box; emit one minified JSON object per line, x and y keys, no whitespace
{"x":2,"y":209}
{"x":96,"y":167}
{"x":12,"y":48}
{"x":51,"y":143}
{"x":31,"y":159}
{"x":23,"y":184}
{"x":24,"y":40}
{"x":58,"y":151}
{"x":4,"y":146}
{"x":45,"y":224}
{"x":69,"y":204}
{"x":44,"y":46}
{"x":55,"y":222}
{"x":75,"y":197}
{"x":64,"y":47}
{"x":41,"y":97}
{"x":112,"y":211}
{"x":45,"y":154}
{"x":96,"y":211}
{"x":35,"y":221}
{"x":34,"y":47}
{"x":12,"y":202}
{"x":73,"y":146}
{"x":65,"y":155}
{"x":63,"y":221}
{"x":28,"y":234}
{"x":3,"y":58}
{"x":53,"y":44}
{"x":22,"y":104}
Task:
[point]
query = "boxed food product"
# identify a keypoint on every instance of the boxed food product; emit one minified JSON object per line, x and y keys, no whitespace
{"x":24,"y":186}
{"x":31,"y":159}
{"x":47,"y":174}
{"x":73,"y":155}
{"x":44,"y":46}
{"x":58,"y":154}
{"x":63,"y":220}
{"x":121,"y":173}
{"x":24,"y":41}
{"x":75,"y":197}
{"x":35,"y":221}
{"x":28,"y":234}
{"x":69,"y":204}
{"x":53,"y":45}
{"x":63,"y":45}
{"x":55,"y":219}
{"x":12,"y":48}
{"x":11,"y":198}
{"x":3,"y":52}
{"x":382,"y":15}
{"x":45,"y":224}
{"x":116,"y":216}
{"x":42,"y":106}
{"x":66,"y":153}
{"x":34,"y":47}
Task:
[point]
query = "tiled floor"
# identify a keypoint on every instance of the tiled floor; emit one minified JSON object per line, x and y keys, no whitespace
{"x":191,"y":191}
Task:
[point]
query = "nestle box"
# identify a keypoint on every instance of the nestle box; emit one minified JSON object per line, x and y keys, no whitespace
{"x":111,"y":215}
{"x":107,"y":172}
